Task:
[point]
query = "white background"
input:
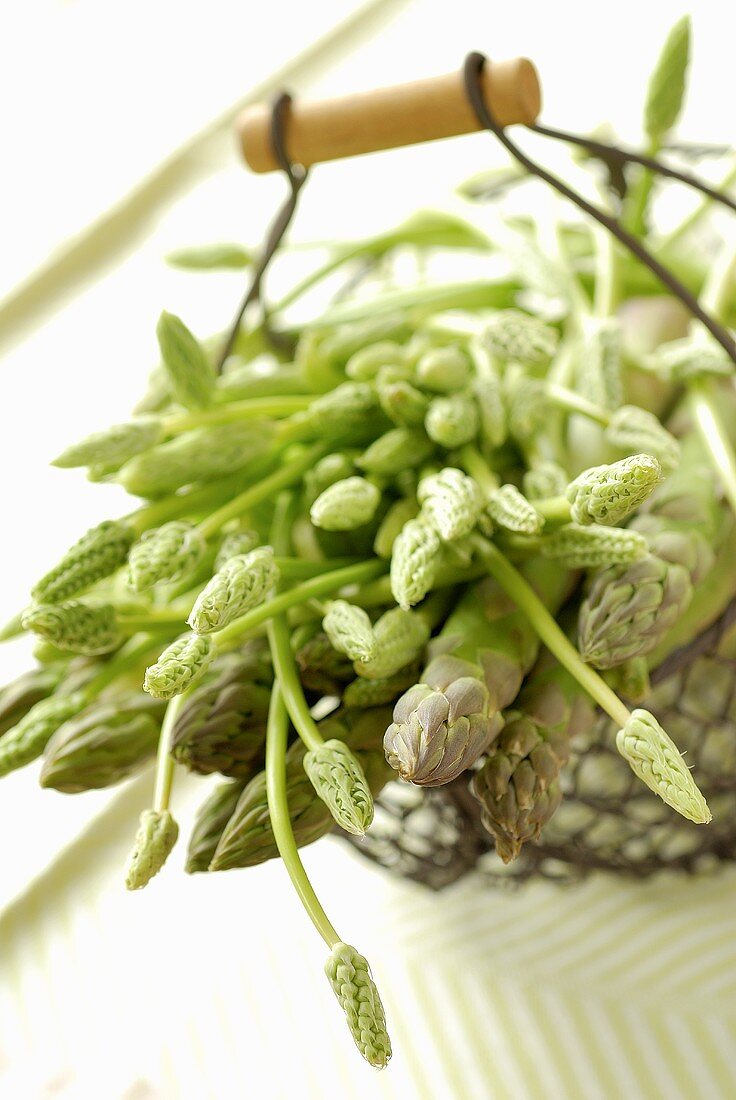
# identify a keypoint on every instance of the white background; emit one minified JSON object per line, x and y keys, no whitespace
{"x":117,"y":149}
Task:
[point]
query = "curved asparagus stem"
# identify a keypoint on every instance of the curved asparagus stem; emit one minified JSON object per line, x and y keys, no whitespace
{"x":276,"y":737}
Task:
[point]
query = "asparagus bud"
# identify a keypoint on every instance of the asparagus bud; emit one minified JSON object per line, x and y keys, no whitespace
{"x":491,"y":409}
{"x":394,"y":451}
{"x":221,"y":724}
{"x":248,"y":840}
{"x":528,"y":406}
{"x":633,"y":429}
{"x":654,"y":757}
{"x":27,"y":740}
{"x":509,"y":509}
{"x":242,"y":583}
{"x":666,"y":90}
{"x":331,"y":468}
{"x":340,"y":782}
{"x":544,"y":479}
{"x":235,"y":544}
{"x":75,"y":626}
{"x":350,"y":630}
{"x":689,"y":359}
{"x":518,"y":786}
{"x":441,"y":726}
{"x":17,"y":698}
{"x":346,"y":505}
{"x":363,"y":694}
{"x":451,"y":502}
{"x":444,"y":369}
{"x":608,"y":494}
{"x":452,"y":421}
{"x":200,"y":455}
{"x":511,"y":334}
{"x":179,"y":667}
{"x":347,"y":412}
{"x":322,"y":668}
{"x":414,"y":560}
{"x":157,"y":834}
{"x":400,"y":512}
{"x":113,"y":446}
{"x":165,"y":554}
{"x":190,"y":375}
{"x":593,"y":547}
{"x":96,"y":555}
{"x":400,"y":637}
{"x":350,"y":977}
{"x":630,"y":608}
{"x":402,"y":403}
{"x":103,"y":745}
{"x":598,"y":369}
{"x":364,"y":364}
{"x":212,"y":817}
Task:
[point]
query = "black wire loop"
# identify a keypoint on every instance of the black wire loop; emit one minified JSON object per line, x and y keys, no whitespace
{"x":472,"y":69}
{"x":296,"y":176}
{"x":607,"y":152}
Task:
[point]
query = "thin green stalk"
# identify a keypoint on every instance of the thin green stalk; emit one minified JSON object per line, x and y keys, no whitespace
{"x":255,"y":408}
{"x":286,"y":672}
{"x":478,"y":468}
{"x":472,"y":294}
{"x":572,"y":402}
{"x":704,"y":404}
{"x":637,"y":201}
{"x":301,"y":593}
{"x":554,"y":509}
{"x":156,"y":618}
{"x":199,"y":500}
{"x":164,"y":760}
{"x":550,"y":633}
{"x":278,"y":808}
{"x":279,"y":479}
{"x":134,"y":650}
{"x":298,"y":569}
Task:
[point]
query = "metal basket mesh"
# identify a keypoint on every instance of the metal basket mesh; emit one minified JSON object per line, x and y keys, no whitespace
{"x":608,"y":819}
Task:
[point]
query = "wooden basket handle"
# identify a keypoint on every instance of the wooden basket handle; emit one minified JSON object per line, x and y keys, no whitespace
{"x":385,"y":118}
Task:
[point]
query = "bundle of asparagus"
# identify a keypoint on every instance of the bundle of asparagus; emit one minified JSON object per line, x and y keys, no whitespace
{"x":441,"y":533}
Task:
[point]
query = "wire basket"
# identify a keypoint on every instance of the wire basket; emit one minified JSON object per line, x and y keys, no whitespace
{"x":608,"y":821}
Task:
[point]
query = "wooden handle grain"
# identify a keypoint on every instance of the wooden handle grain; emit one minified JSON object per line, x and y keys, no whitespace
{"x":386,"y":118}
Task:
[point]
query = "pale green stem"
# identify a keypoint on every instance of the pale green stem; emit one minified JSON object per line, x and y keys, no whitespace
{"x":134,"y":649}
{"x":694,"y":217}
{"x":164,"y":760}
{"x":337,"y":260}
{"x":573,"y":402}
{"x":255,"y":408}
{"x":199,"y":500}
{"x":280,"y":479}
{"x":472,"y":294}
{"x":554,"y":509}
{"x":285,"y":669}
{"x":712,"y":431}
{"x":278,"y":808}
{"x":550,"y":633}
{"x":637,"y":201}
{"x":301,"y":593}
{"x":479,"y":470}
{"x":155,"y":618}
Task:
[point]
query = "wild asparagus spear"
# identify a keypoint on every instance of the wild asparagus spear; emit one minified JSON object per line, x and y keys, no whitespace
{"x":446,"y":721}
